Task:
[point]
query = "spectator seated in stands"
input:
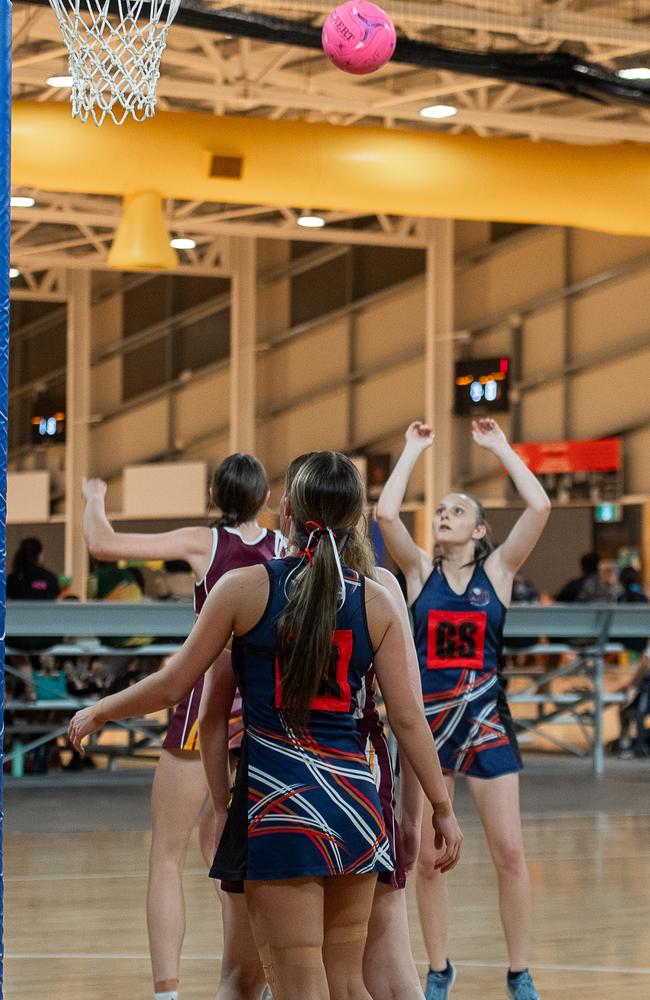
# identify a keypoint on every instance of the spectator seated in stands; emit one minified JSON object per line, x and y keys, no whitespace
{"x":29,"y":580}
{"x":570,"y":591}
{"x":637,"y":707}
{"x":112,"y":581}
{"x":600,"y":587}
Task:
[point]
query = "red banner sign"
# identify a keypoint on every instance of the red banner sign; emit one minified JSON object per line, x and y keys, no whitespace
{"x":572,"y":456}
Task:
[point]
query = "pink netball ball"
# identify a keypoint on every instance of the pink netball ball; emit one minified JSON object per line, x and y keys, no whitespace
{"x":359,"y":37}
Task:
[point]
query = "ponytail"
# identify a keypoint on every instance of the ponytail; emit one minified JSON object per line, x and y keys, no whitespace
{"x":326,"y":492}
{"x":305,"y":630}
{"x":358,"y":553}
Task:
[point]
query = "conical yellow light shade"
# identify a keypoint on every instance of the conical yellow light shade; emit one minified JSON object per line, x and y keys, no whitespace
{"x":142,"y":242}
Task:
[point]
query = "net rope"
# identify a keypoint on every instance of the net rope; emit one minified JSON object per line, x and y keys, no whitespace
{"x":114,"y":51}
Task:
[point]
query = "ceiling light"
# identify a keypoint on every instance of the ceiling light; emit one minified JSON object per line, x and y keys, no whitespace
{"x":21,"y":201}
{"x":59,"y":81}
{"x":635,"y":73}
{"x":311,"y":221}
{"x":14,"y":272}
{"x":439,"y":111}
{"x":181,"y":243}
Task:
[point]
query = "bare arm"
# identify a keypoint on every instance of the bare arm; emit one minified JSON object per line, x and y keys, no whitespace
{"x":411,"y":800}
{"x":208,"y":638}
{"x":412,"y":560}
{"x":190,"y":544}
{"x":214,"y":716}
{"x":508,"y":557}
{"x":406,"y":717}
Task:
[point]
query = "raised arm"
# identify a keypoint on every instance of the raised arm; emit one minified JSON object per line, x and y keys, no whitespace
{"x":190,"y":544}
{"x":414,"y":563}
{"x":406,"y":717}
{"x":206,"y":641}
{"x":525,"y":534}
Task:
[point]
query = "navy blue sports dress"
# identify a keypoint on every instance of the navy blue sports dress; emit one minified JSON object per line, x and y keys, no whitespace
{"x":304,"y":805}
{"x":459,"y":639}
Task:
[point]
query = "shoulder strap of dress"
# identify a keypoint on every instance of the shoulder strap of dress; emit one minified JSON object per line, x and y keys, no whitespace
{"x":280,"y":544}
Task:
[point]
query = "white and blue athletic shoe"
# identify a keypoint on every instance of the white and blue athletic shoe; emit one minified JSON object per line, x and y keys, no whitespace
{"x":439,"y":984}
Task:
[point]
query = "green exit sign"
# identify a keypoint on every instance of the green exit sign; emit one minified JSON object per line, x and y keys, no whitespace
{"x":607,"y":513}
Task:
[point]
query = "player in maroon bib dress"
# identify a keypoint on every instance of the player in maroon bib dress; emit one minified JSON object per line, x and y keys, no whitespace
{"x":230,"y":550}
{"x":179,"y":795}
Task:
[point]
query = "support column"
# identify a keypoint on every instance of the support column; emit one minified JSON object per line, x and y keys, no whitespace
{"x":77,"y":418}
{"x":439,"y":364}
{"x":243,"y":324}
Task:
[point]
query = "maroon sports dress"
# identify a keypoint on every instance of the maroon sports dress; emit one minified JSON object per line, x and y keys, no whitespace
{"x":229,"y":551}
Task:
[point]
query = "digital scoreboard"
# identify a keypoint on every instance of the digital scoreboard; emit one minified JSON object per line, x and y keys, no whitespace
{"x":481,"y":386}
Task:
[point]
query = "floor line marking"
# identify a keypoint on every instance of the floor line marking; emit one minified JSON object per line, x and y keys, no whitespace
{"x":468,"y":963}
{"x":196,"y":872}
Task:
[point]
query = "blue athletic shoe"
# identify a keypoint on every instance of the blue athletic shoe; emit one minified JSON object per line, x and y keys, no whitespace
{"x":521,"y":986}
{"x":440,"y":983}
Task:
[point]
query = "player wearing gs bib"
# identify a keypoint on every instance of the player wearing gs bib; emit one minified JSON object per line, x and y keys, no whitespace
{"x":458,"y":601}
{"x":230,"y":550}
{"x":459,"y":638}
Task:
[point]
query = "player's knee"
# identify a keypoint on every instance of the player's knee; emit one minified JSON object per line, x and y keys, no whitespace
{"x":509,"y":857}
{"x":168,"y":851}
{"x":243,"y":981}
{"x":426,"y":865}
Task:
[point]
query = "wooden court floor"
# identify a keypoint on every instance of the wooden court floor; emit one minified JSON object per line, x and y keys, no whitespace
{"x":75,"y":914}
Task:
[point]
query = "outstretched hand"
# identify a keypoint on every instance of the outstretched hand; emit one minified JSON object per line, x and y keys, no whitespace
{"x":93,"y":489}
{"x":420,"y":434}
{"x":487,"y":434}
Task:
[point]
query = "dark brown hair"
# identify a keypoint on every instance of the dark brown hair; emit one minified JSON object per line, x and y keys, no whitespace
{"x":239,"y":489}
{"x":326,"y":489}
{"x":358,"y":552}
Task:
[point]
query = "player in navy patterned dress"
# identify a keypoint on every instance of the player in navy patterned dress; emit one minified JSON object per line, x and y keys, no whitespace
{"x":458,"y":603}
{"x":305,"y":829}
{"x":180,"y":794}
{"x":389,"y":969}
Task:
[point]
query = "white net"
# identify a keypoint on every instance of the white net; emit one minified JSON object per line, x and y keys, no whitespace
{"x":115,"y":47}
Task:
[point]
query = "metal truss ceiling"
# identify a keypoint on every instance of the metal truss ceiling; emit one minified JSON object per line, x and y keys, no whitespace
{"x":214,"y":74}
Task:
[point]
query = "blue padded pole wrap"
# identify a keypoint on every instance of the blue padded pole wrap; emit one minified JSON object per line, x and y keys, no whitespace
{"x":5,"y":189}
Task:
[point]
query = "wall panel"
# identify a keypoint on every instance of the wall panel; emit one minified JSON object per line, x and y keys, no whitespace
{"x":138,"y":435}
{"x":388,"y":401}
{"x":202,"y":406}
{"x":519,"y":272}
{"x":542,"y":412}
{"x":390,"y":327}
{"x":611,"y":315}
{"x":611,"y":397}
{"x":303,"y":365}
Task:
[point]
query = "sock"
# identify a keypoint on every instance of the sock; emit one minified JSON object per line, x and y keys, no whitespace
{"x":441,"y":972}
{"x":512,"y":976}
{"x":168,"y":995}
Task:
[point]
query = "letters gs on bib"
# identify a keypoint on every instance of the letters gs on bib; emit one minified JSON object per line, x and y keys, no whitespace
{"x":456,"y":640}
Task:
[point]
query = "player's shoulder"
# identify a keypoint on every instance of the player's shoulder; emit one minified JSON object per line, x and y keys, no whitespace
{"x":244,"y":577}
{"x":380,"y":593}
